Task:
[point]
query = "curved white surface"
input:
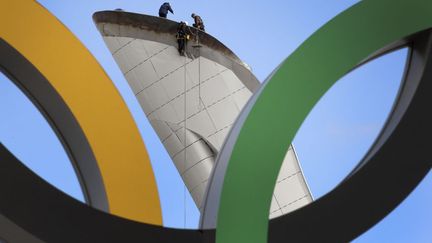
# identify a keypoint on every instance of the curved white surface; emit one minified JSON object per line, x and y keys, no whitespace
{"x":192,"y":102}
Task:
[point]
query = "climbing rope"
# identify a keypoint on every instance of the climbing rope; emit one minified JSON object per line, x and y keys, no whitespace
{"x":199,"y":78}
{"x":184,"y":142}
{"x":198,"y":45}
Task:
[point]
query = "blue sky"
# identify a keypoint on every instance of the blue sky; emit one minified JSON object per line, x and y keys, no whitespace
{"x":331,"y":141}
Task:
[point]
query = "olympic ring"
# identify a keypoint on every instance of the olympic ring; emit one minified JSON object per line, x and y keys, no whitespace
{"x":84,"y":108}
{"x":286,"y":99}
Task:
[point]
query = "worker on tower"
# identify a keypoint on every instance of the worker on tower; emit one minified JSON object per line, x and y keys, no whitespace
{"x":164,"y":8}
{"x":182,"y":37}
{"x":199,"y":24}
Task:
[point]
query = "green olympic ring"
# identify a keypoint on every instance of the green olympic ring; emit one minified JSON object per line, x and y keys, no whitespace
{"x":290,"y":95}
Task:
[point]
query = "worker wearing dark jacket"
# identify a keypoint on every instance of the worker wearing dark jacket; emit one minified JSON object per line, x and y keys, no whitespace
{"x":163,"y":10}
{"x":182,"y":37}
{"x":198,"y":22}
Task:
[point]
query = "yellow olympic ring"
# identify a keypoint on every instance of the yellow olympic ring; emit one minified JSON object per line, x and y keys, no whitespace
{"x":94,"y":101}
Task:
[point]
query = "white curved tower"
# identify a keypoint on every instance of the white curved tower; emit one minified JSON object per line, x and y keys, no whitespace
{"x":191,"y":101}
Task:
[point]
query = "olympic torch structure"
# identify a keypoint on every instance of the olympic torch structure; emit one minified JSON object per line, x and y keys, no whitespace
{"x":191,"y":101}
